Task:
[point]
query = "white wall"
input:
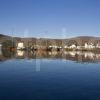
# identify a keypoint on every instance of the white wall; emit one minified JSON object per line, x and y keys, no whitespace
{"x":73,"y":46}
{"x":20,"y":45}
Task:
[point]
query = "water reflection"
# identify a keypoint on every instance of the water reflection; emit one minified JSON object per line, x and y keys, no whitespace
{"x":20,"y":53}
{"x":78,"y":56}
{"x":0,"y":51}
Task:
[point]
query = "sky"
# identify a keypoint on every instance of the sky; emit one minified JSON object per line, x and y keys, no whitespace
{"x":50,"y":18}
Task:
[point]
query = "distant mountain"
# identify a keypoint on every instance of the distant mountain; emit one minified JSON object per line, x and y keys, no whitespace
{"x":2,"y":36}
{"x":84,"y":38}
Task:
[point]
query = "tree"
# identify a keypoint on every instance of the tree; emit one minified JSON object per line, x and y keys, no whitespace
{"x":8,"y":44}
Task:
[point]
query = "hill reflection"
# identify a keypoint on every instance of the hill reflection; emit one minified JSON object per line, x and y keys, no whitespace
{"x":78,"y":56}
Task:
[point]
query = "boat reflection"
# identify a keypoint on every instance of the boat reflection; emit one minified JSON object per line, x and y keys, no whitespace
{"x":78,"y":56}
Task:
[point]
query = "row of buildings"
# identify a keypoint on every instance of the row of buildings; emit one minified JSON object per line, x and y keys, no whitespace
{"x":58,"y":44}
{"x":78,"y":43}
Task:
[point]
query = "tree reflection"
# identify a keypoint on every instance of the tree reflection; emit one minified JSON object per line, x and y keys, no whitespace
{"x":78,"y":56}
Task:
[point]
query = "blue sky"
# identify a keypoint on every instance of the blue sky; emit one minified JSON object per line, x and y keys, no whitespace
{"x":50,"y":18}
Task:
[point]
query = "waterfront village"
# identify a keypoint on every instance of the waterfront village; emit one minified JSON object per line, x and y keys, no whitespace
{"x":79,"y":48}
{"x":77,"y":43}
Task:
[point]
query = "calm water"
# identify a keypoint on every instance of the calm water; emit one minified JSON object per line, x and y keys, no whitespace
{"x":50,"y":76}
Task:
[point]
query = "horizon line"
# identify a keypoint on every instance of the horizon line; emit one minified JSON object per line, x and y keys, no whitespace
{"x":50,"y":37}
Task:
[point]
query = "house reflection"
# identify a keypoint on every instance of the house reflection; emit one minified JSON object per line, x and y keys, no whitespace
{"x":20,"y":53}
{"x":78,"y":56}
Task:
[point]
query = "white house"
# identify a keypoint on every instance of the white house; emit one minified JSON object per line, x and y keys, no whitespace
{"x":54,"y":46}
{"x":20,"y":45}
{"x":50,"y":46}
{"x":97,"y":46}
{"x":79,"y":47}
{"x":89,"y":46}
{"x":65,"y":46}
{"x":73,"y":46}
{"x":86,"y":45}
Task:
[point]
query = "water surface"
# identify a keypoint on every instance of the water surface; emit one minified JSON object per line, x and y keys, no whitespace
{"x":50,"y":76}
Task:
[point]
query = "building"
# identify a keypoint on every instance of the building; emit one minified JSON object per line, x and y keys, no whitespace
{"x":73,"y":46}
{"x":89,"y":46}
{"x":20,"y":45}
